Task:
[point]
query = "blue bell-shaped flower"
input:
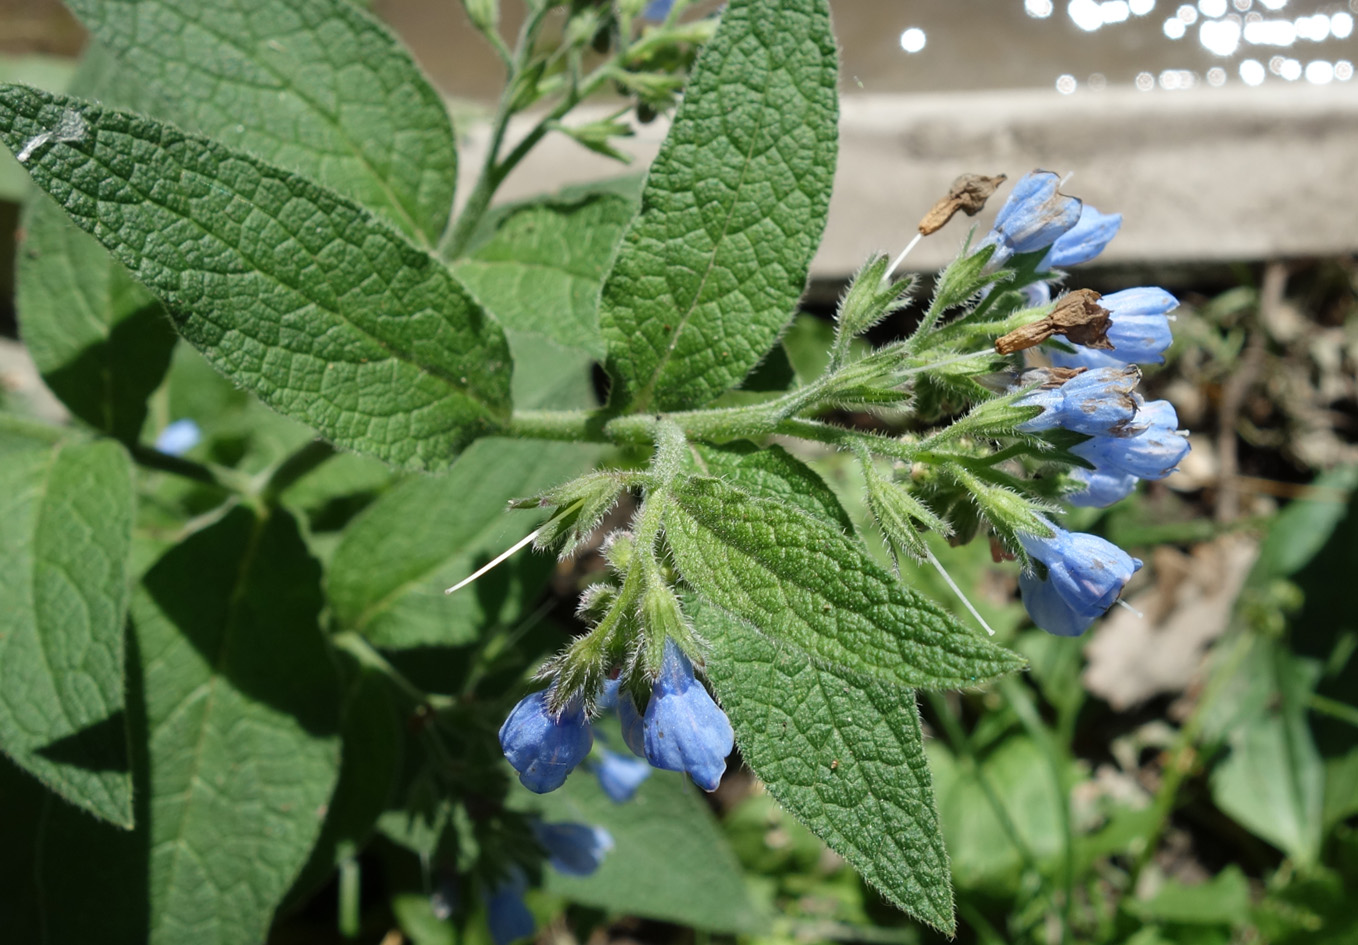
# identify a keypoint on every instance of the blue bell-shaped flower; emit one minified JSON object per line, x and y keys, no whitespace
{"x":545,"y":748}
{"x":685,"y":730}
{"x":1085,"y":576}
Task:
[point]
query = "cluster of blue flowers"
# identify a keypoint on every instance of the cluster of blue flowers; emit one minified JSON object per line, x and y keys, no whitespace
{"x":572,"y":849}
{"x":1130,"y":439}
{"x":682,"y":729}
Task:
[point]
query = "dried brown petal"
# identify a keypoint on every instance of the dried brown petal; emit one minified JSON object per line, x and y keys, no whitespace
{"x":1049,"y":378}
{"x":1077,"y":315}
{"x":968,"y":193}
{"x":1025,"y":336}
{"x":1081,"y":319}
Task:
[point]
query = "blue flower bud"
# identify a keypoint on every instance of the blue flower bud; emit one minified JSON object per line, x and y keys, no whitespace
{"x":542,"y":747}
{"x":685,"y":729}
{"x":1139,"y":330}
{"x":633,"y":725}
{"x":1153,"y":453}
{"x":506,"y":914}
{"x":621,"y":776}
{"x":1093,"y":402}
{"x":657,"y":10}
{"x":179,"y":437}
{"x":608,"y":694}
{"x":1101,"y":489}
{"x":1085,"y":575}
{"x":573,"y":849}
{"x":1035,"y":214}
{"x":1082,"y":242}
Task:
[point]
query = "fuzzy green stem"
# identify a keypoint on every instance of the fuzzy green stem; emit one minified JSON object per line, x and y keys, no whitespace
{"x":495,"y":170}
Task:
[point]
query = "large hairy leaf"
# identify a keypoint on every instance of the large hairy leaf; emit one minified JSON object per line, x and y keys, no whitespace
{"x":315,"y":86}
{"x":801,"y":581}
{"x":65,"y":536}
{"x":732,"y":212}
{"x":842,"y":752}
{"x":331,"y":317}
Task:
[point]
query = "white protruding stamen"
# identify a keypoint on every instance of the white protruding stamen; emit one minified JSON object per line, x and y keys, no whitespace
{"x":1123,"y":603}
{"x":957,"y":590}
{"x":499,"y":558}
{"x":901,"y":258}
{"x":1069,"y":175}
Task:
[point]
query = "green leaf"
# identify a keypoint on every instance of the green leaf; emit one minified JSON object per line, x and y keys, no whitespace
{"x":101,"y":341}
{"x":1224,"y":899}
{"x":772,"y":473}
{"x":69,"y":878}
{"x":1273,"y":780}
{"x":844,"y":753}
{"x":669,"y":860}
{"x":983,"y":855}
{"x":47,"y":72}
{"x":542,"y":269}
{"x":802,"y":582}
{"x":65,"y":535}
{"x":242,"y":717}
{"x":732,"y":212}
{"x":315,"y":86}
{"x":329,"y":316}
{"x":370,"y":764}
{"x":387,"y":576}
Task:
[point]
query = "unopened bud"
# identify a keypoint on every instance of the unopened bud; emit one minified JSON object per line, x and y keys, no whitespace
{"x":581,"y":505}
{"x":869,"y":298}
{"x":900,"y":515}
{"x":484,"y":14}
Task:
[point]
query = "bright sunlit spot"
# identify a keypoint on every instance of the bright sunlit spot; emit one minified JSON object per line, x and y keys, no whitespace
{"x":1216,"y":77}
{"x":1212,"y":7}
{"x":1114,"y":11}
{"x":1290,"y":69}
{"x":1141,"y":7}
{"x":1320,"y":72}
{"x":1145,"y":82}
{"x":1174,"y":28}
{"x":1341,"y":25}
{"x":1086,"y":14}
{"x":912,"y":40}
{"x":1270,"y":32}
{"x":1220,"y":37}
{"x":1038,"y":9}
{"x":1343,"y":70}
{"x":1315,"y":28}
{"x":1188,"y":14}
{"x":1066,"y":84}
{"x":1252,"y":72}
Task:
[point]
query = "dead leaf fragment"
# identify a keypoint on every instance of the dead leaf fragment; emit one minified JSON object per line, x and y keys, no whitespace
{"x":968,"y":193}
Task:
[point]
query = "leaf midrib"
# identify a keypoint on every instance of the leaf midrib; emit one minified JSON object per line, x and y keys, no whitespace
{"x":648,"y":391}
